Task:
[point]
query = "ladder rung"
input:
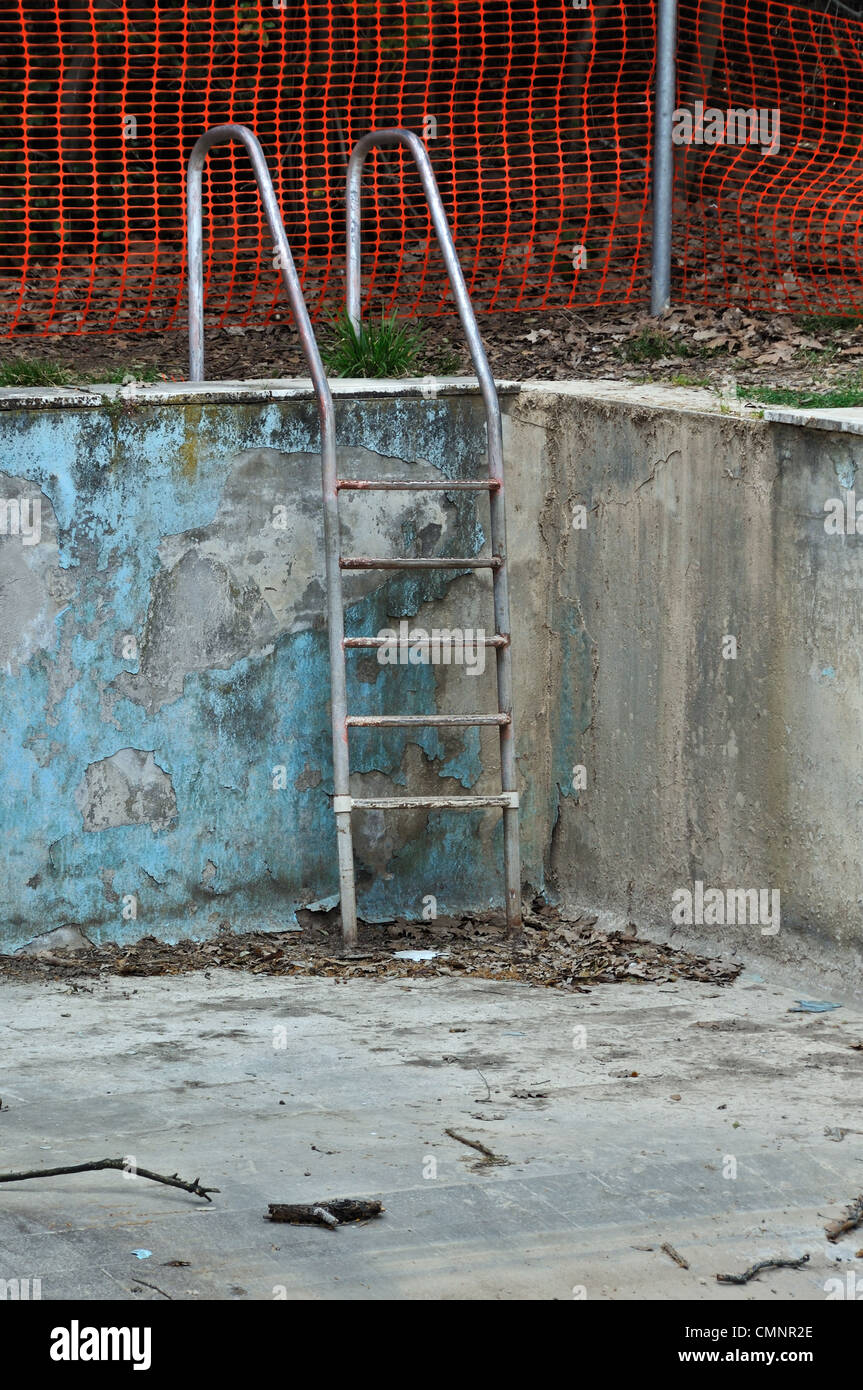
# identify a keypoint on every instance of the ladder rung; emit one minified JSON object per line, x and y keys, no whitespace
{"x":507,"y":800}
{"x":358,"y":642}
{"x":411,"y":485}
{"x":374,"y":721}
{"x":404,"y":562}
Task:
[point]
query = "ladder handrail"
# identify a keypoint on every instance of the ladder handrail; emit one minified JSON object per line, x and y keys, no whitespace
{"x":397,"y":135}
{"x":220,"y":135}
{"x":223,"y":135}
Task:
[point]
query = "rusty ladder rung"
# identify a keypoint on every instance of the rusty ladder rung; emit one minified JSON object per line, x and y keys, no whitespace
{"x":410,"y":721}
{"x":409,"y":485}
{"x":406,"y":562}
{"x":354,"y":643}
{"x":507,"y":801}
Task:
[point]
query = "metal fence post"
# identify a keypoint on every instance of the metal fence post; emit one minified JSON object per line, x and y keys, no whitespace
{"x":663,"y":163}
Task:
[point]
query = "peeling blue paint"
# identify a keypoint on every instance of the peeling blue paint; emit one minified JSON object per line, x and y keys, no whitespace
{"x":120,"y":485}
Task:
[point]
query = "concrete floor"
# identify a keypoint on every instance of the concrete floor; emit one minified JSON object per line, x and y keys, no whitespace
{"x":182,"y":1073}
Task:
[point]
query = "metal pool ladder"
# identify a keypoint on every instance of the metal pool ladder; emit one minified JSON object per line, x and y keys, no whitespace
{"x":343,"y":803}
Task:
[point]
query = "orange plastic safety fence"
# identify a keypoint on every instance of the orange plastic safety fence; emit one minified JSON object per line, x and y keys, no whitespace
{"x":769,"y":165}
{"x":536,"y":114}
{"x":537,"y":117}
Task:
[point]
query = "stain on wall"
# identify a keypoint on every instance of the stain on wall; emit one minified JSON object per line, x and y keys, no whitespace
{"x":164,"y":708}
{"x":165,"y":705}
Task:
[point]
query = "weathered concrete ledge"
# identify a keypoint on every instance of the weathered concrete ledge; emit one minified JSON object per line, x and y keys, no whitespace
{"x":686,"y":648}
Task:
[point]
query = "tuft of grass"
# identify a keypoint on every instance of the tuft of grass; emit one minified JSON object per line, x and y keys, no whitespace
{"x":389,"y":347}
{"x":838,"y":398}
{"x":819,"y":323}
{"x":684,"y":379}
{"x":26,"y":371}
{"x":32,"y":371}
{"x":119,"y":376}
{"x":648,"y":346}
{"x":653,"y":343}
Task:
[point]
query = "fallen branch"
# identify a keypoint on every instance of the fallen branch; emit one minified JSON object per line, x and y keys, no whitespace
{"x":678,"y":1259}
{"x":851,"y":1218}
{"x":756,"y":1269}
{"x":330,"y":1214}
{"x":122,"y":1165}
{"x":487,"y":1155}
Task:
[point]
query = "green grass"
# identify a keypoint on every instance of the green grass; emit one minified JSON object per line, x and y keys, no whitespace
{"x":818,"y":323}
{"x":653,"y":343}
{"x":32,"y":371}
{"x":387,"y":348}
{"x":118,"y":376}
{"x":649,"y":346}
{"x":35,"y":371}
{"x":684,"y":379}
{"x":838,"y":398}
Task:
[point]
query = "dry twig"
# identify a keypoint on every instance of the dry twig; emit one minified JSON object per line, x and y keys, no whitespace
{"x":487,"y":1155}
{"x":751,"y":1272}
{"x":851,"y":1218}
{"x":122,"y":1165}
{"x":678,"y":1259}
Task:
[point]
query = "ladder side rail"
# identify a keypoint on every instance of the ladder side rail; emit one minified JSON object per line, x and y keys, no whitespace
{"x":220,"y":135}
{"x":494,"y":431}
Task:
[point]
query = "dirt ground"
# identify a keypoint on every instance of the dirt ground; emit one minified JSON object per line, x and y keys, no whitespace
{"x":689,"y":346}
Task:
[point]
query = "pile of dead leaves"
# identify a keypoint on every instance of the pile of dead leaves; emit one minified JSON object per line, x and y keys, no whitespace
{"x":552,"y":952}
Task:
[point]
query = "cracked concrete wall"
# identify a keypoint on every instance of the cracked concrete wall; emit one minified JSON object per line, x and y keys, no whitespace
{"x":739,"y":771}
{"x":165,"y":713}
{"x":167,"y":677}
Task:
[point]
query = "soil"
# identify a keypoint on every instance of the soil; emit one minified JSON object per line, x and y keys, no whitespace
{"x":689,"y":346}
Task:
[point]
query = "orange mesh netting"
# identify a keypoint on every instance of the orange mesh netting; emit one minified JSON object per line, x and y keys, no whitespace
{"x":536,"y":114}
{"x":536,"y":117}
{"x":771,"y":222}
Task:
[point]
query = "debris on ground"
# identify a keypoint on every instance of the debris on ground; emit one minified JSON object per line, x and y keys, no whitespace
{"x":120,"y":1164}
{"x":753,"y":1270}
{"x":851,"y":1218}
{"x":553,"y":951}
{"x":330,"y":1214}
{"x":487,"y":1159}
{"x":677,"y":1258}
{"x":690,"y":345}
{"x":812,"y":1006}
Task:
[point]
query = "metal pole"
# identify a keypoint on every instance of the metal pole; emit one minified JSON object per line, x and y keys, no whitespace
{"x":663,"y":164}
{"x":221,"y":135}
{"x":398,"y":136}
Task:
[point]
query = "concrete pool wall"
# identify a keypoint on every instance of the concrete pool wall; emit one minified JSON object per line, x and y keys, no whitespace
{"x":686,"y":651}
